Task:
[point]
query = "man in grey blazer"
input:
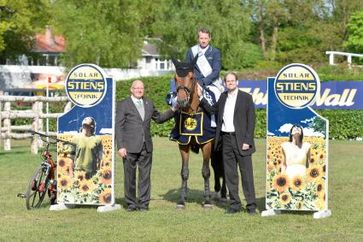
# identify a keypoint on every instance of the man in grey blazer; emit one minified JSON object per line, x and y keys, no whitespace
{"x":133,"y":117}
{"x":235,"y":135}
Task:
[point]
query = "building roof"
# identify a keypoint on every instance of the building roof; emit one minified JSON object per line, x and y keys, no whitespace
{"x":48,"y":43}
{"x":150,"y":48}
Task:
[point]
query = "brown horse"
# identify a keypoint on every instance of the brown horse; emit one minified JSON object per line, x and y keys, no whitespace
{"x":188,"y":101}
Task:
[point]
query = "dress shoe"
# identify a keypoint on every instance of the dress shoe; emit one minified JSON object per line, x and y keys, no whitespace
{"x":233,"y":210}
{"x":251,"y":212}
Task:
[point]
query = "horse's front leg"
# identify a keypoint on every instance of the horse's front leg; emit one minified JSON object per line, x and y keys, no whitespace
{"x":184,"y":152}
{"x":206,"y":149}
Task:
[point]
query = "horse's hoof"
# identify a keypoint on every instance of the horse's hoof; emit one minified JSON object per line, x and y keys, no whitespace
{"x":180,"y":206}
{"x":216,"y":196}
{"x":207,"y":205}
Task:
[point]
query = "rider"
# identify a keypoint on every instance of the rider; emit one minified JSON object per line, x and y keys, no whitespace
{"x":208,"y":65}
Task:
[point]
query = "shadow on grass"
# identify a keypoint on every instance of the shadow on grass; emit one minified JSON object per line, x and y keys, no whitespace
{"x":17,"y":152}
{"x":193,"y":196}
{"x":122,"y":202}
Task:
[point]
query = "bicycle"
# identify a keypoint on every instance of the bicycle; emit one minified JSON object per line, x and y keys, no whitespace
{"x":43,"y":180}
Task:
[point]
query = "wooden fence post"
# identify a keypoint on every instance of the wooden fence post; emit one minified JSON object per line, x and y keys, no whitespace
{"x":7,"y":124}
{"x":1,"y":119}
{"x":35,"y":127}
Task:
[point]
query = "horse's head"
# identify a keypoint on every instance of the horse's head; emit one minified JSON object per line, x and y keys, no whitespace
{"x":185,"y":82}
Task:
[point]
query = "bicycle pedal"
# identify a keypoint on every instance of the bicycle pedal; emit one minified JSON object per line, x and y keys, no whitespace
{"x":21,"y":195}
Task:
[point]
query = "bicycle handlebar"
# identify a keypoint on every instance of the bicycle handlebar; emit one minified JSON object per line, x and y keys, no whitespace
{"x":55,"y":139}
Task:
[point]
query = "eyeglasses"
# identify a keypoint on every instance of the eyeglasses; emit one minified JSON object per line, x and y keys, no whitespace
{"x":230,"y":81}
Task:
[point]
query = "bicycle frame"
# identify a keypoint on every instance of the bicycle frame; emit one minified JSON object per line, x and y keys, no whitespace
{"x":44,"y":180}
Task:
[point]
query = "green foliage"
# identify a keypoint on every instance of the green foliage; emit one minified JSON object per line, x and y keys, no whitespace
{"x":344,"y":124}
{"x":107,"y":33}
{"x":339,"y":72}
{"x":19,"y":22}
{"x":260,"y":128}
{"x":355,"y":33}
{"x":248,"y":32}
{"x":227,"y":20}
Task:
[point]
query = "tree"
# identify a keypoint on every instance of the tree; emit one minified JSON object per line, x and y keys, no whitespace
{"x":355,"y":33}
{"x":227,"y":20}
{"x":19,"y":21}
{"x":108,"y":33}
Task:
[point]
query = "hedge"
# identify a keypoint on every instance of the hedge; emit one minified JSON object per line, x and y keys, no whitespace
{"x":344,"y":124}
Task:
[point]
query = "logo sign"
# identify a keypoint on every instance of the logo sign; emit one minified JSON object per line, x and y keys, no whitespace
{"x":190,"y":123}
{"x":86,"y":85}
{"x":296,"y":86}
{"x":296,"y":142}
{"x":85,"y":163}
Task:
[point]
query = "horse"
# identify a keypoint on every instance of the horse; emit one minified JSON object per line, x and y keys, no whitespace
{"x":192,"y":133}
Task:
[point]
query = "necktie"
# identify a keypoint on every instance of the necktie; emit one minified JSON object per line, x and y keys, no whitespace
{"x":140,"y":108}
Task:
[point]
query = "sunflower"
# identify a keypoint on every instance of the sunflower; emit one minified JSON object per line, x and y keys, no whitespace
{"x":314,"y":173}
{"x":321,"y":156}
{"x":299,"y":205}
{"x":79,"y":175}
{"x":107,"y":163}
{"x":64,"y":182}
{"x":106,"y":196}
{"x":312,"y":160}
{"x":320,"y":188}
{"x":285,"y":198}
{"x":86,"y":186}
{"x":280,"y":183}
{"x":106,"y":175}
{"x":64,"y":164}
{"x":297,"y":183}
{"x":270,"y":166}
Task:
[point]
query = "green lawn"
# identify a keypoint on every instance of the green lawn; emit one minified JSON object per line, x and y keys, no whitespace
{"x":164,"y":223}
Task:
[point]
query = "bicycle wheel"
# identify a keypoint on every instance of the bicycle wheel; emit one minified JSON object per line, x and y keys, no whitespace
{"x":37,"y":189}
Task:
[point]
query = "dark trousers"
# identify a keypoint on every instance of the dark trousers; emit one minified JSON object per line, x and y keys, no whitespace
{"x":232,"y":159}
{"x":142,"y":161}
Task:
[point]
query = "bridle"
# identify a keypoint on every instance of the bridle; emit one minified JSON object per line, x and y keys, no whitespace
{"x":188,"y":91}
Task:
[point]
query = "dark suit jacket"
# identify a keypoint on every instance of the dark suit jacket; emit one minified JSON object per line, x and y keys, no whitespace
{"x":131,"y":130}
{"x":213,"y":56}
{"x":244,"y":120}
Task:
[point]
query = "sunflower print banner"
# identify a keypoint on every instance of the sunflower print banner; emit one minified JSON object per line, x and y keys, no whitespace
{"x":75,"y":186}
{"x":85,"y":163}
{"x":297,"y":143}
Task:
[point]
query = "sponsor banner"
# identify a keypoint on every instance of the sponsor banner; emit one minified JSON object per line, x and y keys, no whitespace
{"x":332,"y":95}
{"x":297,"y":142}
{"x":85,"y":168}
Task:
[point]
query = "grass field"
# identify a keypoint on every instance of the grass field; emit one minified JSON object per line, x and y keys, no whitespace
{"x":164,"y":223}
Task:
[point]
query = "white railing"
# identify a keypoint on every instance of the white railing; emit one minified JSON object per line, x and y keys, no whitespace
{"x":349,"y":56}
{"x":8,"y":131}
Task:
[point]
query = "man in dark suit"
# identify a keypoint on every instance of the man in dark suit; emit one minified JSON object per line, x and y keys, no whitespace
{"x":235,"y":135}
{"x":208,"y":65}
{"x":133,"y":117}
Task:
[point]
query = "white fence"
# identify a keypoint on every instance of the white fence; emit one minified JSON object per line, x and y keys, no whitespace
{"x":349,"y":56}
{"x":14,"y":76}
{"x":8,"y":131}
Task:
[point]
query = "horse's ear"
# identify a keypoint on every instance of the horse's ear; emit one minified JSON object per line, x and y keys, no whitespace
{"x":175,"y":61}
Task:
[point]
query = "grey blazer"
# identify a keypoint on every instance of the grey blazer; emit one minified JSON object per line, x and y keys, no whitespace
{"x":244,"y":120}
{"x":131,"y":130}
